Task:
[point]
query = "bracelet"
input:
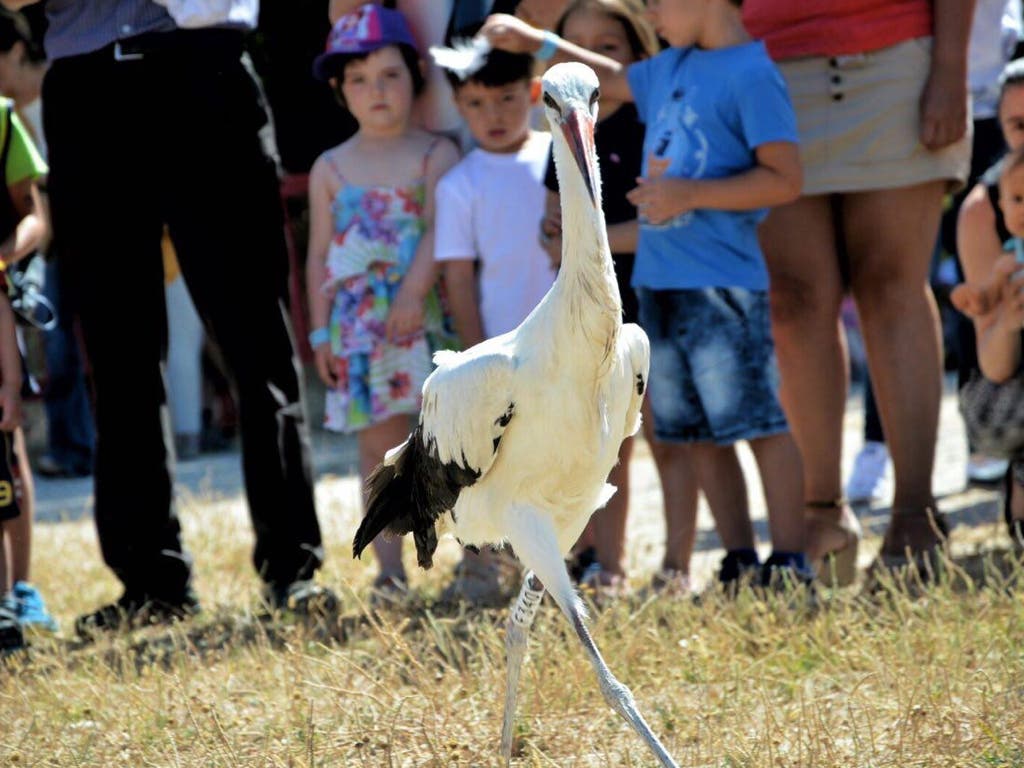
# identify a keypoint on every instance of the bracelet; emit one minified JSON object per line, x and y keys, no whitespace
{"x":319,"y":336}
{"x":548,"y":48}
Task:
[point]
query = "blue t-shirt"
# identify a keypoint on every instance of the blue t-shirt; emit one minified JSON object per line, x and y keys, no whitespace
{"x":706,"y":112}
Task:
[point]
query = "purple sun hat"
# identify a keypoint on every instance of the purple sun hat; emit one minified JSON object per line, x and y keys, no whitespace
{"x":366,"y":29}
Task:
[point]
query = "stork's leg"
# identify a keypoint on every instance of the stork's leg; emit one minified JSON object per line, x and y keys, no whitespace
{"x":519,"y":622}
{"x":534,"y":541}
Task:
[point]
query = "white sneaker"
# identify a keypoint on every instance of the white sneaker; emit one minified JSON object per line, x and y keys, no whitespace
{"x":867,"y":481}
{"x":985,"y":469}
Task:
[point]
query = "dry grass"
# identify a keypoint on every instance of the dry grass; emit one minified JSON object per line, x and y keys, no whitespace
{"x":889,"y":681}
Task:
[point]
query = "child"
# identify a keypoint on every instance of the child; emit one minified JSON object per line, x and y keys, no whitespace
{"x":489,"y":205}
{"x":992,"y":402}
{"x":370,"y":272}
{"x":617,"y":29}
{"x":23,"y":230}
{"x":720,"y":147}
{"x":488,"y":210}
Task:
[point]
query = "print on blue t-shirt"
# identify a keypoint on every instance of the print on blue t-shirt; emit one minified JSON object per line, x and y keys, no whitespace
{"x":706,"y":112}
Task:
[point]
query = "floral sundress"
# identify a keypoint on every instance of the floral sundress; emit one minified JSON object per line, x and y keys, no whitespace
{"x":376,"y":232}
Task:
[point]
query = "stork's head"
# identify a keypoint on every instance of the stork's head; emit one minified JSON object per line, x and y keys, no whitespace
{"x":570,"y":94}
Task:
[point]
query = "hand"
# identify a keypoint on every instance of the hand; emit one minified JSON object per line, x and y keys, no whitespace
{"x":1010,"y":318}
{"x":979,"y":299}
{"x":661,"y":199}
{"x":551,"y":240}
{"x":405,"y":318}
{"x":10,"y":408}
{"x":943,"y":106}
{"x":324,"y":359}
{"x":507,"y":33}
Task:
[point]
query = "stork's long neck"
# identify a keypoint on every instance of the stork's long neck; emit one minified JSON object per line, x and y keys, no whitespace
{"x":587,"y":276}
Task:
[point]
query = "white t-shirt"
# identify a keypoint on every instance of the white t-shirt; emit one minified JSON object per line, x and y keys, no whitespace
{"x":489,"y":208}
{"x":994,"y":33}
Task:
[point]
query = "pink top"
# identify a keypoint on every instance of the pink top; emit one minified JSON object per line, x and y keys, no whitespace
{"x":796,"y":28}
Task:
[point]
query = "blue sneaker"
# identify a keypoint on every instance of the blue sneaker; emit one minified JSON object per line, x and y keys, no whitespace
{"x":30,"y":608}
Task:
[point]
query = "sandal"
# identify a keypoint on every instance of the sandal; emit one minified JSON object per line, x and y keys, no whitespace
{"x":836,"y":567}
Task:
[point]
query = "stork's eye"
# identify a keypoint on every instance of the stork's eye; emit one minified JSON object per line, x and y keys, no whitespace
{"x":595,"y":96}
{"x":549,"y":101}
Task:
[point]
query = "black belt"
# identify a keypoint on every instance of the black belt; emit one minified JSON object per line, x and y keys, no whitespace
{"x":179,"y":42}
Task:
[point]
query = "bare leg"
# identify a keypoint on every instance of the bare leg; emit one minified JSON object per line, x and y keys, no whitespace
{"x":891,"y":236}
{"x":19,"y":530}
{"x":606,"y":529}
{"x":778,"y":462}
{"x":610,"y":522}
{"x":374,"y":442}
{"x":519,"y":623}
{"x":799,"y":242}
{"x":720,"y":475}
{"x":533,"y":538}
{"x":679,"y":489}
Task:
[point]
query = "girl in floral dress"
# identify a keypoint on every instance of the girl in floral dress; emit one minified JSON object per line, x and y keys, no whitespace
{"x":370,"y":269}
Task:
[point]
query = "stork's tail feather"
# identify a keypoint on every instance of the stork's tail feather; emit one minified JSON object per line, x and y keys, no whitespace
{"x":407,"y":493}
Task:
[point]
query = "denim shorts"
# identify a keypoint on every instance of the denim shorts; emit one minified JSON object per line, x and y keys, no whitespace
{"x":713,"y":377}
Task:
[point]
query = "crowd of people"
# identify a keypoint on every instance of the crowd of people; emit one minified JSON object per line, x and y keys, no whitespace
{"x":761,"y":161}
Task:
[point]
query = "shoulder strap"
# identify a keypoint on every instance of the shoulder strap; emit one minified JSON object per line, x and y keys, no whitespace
{"x":333,"y":165}
{"x":426,"y":155}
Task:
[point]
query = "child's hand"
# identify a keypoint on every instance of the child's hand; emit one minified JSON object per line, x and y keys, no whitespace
{"x":405,"y":317}
{"x":661,"y":199}
{"x":551,"y":241}
{"x":1010,"y":319}
{"x":507,"y":33}
{"x":551,"y":230}
{"x":325,"y":365}
{"x":977,"y":300}
{"x":10,"y":408}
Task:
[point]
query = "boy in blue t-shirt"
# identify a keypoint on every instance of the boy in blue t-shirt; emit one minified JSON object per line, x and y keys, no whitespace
{"x":720,"y":148}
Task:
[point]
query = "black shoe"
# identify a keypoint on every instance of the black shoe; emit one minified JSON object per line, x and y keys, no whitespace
{"x":47,"y":466}
{"x":134,"y":610}
{"x":303,"y":597}
{"x":786,"y":570}
{"x":11,"y":636}
{"x":736,"y":564}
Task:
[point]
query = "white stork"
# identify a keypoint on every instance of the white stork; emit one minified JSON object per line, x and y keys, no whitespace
{"x":517,"y":435}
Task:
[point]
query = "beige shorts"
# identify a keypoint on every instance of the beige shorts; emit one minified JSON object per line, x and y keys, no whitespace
{"x":859,"y":121}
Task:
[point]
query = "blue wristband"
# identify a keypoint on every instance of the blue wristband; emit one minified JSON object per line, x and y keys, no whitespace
{"x":548,"y":48}
{"x":319,"y":336}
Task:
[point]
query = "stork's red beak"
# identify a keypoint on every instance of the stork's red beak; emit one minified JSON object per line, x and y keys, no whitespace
{"x":578,"y":128}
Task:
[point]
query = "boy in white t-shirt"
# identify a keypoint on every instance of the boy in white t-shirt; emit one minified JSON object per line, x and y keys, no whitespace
{"x":489,"y":206}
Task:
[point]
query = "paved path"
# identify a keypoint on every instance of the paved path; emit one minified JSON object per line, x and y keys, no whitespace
{"x":217,"y":478}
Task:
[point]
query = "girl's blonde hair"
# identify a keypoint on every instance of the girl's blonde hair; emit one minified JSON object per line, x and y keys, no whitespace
{"x":643,"y":40}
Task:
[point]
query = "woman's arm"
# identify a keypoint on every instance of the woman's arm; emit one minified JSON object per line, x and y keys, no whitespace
{"x":406,"y":315}
{"x":511,"y":34}
{"x":988,"y":273}
{"x":30,"y":233}
{"x":944,"y":99}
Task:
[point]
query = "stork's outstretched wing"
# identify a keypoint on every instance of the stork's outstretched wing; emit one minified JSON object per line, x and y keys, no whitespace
{"x":467,"y":406}
{"x":637,"y":353}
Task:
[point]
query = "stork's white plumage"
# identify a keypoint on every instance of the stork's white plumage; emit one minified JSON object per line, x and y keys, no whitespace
{"x":517,"y":435}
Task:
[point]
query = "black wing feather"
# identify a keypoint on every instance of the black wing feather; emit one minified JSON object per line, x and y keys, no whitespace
{"x":410,"y":494}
